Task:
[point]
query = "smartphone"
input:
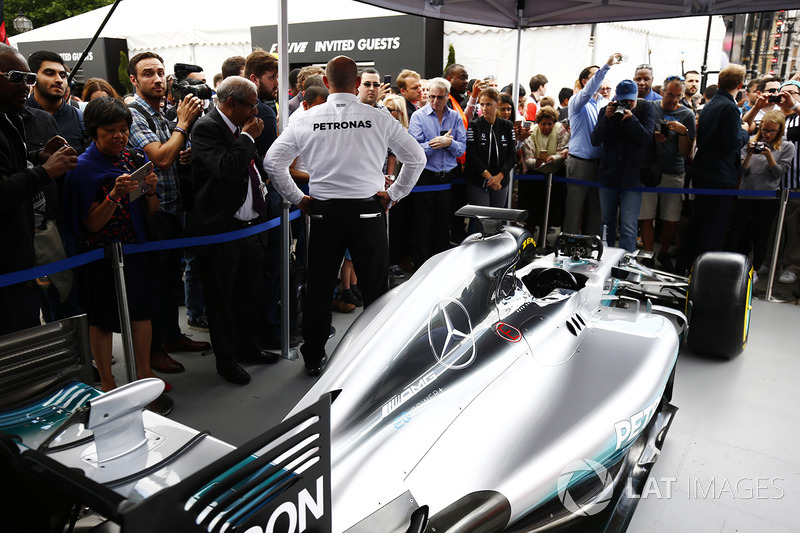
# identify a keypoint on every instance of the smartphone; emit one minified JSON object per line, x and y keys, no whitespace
{"x":387,"y":79}
{"x":526,"y":124}
{"x":443,"y":132}
{"x":665,"y":130}
{"x":139,"y":176}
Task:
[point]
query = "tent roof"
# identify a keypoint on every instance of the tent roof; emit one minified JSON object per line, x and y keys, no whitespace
{"x":502,"y":13}
{"x":156,"y":24}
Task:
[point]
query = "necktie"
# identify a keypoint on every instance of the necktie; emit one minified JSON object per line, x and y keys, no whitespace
{"x":255,"y":185}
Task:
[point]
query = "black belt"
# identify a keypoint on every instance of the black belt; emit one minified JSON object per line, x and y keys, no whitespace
{"x":583,"y":158}
{"x":239,"y":224}
{"x":439,"y":175}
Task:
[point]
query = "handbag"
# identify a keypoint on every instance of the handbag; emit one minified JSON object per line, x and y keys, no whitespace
{"x":48,"y":248}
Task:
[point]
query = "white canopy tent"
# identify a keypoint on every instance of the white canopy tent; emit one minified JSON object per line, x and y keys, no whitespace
{"x":560,"y":52}
{"x":188,"y":31}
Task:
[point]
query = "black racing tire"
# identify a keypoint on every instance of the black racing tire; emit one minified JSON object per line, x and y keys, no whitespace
{"x":718,"y":304}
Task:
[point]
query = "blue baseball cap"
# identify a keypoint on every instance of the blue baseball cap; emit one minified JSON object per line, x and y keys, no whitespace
{"x":627,"y":90}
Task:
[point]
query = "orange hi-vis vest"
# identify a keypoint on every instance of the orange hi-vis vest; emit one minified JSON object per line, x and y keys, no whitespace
{"x":463,"y":157}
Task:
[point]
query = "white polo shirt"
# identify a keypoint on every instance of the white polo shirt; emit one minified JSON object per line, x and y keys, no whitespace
{"x":343,"y":144}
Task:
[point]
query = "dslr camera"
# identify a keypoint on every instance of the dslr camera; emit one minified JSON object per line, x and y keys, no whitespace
{"x":758,"y":147}
{"x":182,"y":86}
{"x":619,"y":109}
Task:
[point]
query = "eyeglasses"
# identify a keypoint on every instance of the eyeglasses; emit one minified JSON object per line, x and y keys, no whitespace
{"x":15,"y":76}
{"x":370,"y":84}
{"x":251,"y":106}
{"x":673,"y":78}
{"x":437,"y":96}
{"x":794,"y":93}
{"x":603,"y":89}
{"x":774,"y":132}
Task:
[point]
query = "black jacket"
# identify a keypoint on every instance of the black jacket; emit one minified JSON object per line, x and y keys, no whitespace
{"x":18,"y":185}
{"x":220,"y":175}
{"x":622,"y":142}
{"x":490,"y":147}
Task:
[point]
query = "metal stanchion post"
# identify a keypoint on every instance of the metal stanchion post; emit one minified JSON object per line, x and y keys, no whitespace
{"x":546,"y":219}
{"x":779,"y":297}
{"x":114,"y":254}
{"x":286,"y":349}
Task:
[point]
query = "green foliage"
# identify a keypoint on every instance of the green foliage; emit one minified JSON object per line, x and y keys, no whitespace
{"x":122,"y":72}
{"x":451,"y":56}
{"x":43,"y":12}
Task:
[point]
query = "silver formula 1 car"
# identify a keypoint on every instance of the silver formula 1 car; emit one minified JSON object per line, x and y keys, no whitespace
{"x":496,"y":390}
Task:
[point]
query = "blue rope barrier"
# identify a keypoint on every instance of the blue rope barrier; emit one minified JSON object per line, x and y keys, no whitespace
{"x":22,"y":276}
{"x":667,"y":190}
{"x":432,"y":188}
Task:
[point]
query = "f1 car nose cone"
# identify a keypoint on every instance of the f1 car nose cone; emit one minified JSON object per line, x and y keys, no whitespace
{"x":450,"y":334}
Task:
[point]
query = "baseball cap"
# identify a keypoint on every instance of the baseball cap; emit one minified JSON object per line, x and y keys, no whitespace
{"x":627,"y":90}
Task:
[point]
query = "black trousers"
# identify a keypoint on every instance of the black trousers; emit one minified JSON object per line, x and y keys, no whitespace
{"x":232,"y":274}
{"x":761,"y":213}
{"x":337,"y":225}
{"x":710,"y":215}
{"x":431,"y":220}
{"x":19,"y":307}
{"x":168,"y":281}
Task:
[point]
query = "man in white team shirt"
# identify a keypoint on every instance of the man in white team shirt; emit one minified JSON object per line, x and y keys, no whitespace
{"x":343,"y":144}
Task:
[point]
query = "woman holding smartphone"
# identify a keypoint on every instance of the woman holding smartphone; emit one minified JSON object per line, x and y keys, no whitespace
{"x":103,"y":204}
{"x":490,"y":153}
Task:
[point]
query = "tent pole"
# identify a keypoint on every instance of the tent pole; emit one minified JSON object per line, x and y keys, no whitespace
{"x":704,"y":68}
{"x":515,"y":97}
{"x":283,"y":114}
{"x":91,"y":43}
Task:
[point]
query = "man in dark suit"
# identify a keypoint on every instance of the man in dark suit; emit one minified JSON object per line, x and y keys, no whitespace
{"x":20,"y":185}
{"x":261,"y":68}
{"x":229,"y":195}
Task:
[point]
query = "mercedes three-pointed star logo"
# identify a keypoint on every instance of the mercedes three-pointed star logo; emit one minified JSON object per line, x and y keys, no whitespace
{"x":458,"y":349}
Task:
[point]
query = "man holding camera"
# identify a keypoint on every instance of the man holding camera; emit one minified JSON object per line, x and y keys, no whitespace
{"x":151,"y":133}
{"x":767,"y":99}
{"x":622,"y":131}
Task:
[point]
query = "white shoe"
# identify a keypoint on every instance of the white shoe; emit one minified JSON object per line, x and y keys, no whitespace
{"x":755,"y":278}
{"x":763,"y":271}
{"x":787,"y":276}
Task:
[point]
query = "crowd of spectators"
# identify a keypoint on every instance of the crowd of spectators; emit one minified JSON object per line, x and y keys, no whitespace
{"x":70,"y":163}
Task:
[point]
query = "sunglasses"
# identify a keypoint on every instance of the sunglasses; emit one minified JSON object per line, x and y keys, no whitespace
{"x":673,"y":78}
{"x":15,"y":76}
{"x":437,"y":96}
{"x":370,"y":84}
{"x":645,"y":66}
